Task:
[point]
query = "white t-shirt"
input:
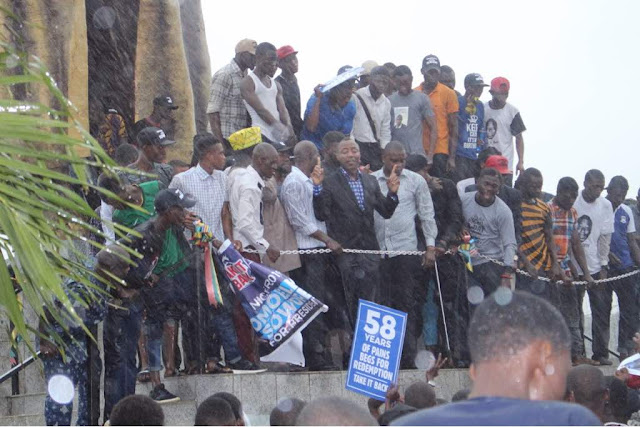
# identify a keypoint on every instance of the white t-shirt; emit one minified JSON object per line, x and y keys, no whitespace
{"x":503,"y":125}
{"x":594,"y":219}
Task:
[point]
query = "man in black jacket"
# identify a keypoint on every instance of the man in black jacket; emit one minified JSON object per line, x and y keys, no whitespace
{"x":345,"y":200}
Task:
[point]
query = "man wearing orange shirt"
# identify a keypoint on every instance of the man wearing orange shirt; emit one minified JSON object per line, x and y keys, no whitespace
{"x":441,"y":152}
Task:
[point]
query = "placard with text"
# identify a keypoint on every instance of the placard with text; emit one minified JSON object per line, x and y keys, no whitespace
{"x":376,"y":349}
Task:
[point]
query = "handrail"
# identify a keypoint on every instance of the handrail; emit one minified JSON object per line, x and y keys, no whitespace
{"x":19,"y":367}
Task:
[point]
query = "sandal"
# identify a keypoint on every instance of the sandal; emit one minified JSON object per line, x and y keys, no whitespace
{"x":169,"y":373}
{"x":144,"y":376}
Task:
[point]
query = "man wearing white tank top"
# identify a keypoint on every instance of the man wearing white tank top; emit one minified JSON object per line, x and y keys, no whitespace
{"x":263,"y":97}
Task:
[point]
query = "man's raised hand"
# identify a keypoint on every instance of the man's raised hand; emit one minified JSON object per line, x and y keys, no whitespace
{"x":393,"y":182}
{"x":317,"y":175}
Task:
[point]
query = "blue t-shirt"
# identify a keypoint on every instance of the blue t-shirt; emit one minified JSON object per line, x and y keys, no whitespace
{"x":470,"y":127}
{"x":623,"y":224}
{"x":340,"y":119}
{"x":501,"y":411}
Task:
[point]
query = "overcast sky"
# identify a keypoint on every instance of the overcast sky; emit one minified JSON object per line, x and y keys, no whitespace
{"x":573,"y":65}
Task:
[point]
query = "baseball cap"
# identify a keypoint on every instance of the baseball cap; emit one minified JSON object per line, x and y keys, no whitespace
{"x":474,"y":79}
{"x":499,"y":163}
{"x":500,"y":84}
{"x":168,"y":198}
{"x":368,"y":66}
{"x":246,"y":45}
{"x":285,"y":51}
{"x":154,"y":136}
{"x":165,"y":101}
{"x":281,"y":146}
{"x":431,"y":61}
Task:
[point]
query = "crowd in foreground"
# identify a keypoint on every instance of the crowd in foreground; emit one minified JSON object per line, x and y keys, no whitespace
{"x":520,"y":348}
{"x":372,"y":165}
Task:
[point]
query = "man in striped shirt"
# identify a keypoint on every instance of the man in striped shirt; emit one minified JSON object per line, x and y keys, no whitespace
{"x":537,"y":252}
{"x":566,"y":240}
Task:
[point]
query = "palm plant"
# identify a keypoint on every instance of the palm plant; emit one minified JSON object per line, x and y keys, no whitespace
{"x":40,"y":213}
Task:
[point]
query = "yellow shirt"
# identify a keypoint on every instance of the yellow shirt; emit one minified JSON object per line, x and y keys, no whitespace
{"x":444,"y":102}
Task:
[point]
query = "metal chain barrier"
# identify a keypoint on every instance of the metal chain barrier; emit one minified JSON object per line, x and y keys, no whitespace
{"x":448,"y":252}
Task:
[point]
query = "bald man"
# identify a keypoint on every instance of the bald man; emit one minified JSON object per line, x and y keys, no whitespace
{"x":398,"y":233}
{"x":297,"y":198}
{"x":334,"y":411}
{"x":245,"y":204}
{"x":346,"y":200}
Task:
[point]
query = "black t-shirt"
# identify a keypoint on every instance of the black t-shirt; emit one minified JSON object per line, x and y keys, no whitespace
{"x":291,"y":95}
{"x":500,"y":411}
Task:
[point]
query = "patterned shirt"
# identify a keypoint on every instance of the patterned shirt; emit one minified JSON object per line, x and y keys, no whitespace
{"x":356,"y":187}
{"x":210,"y":192}
{"x":225,"y":98}
{"x":535,"y":215}
{"x":564,"y":223}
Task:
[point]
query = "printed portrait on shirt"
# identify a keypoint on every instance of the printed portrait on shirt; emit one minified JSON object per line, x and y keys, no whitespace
{"x":401,"y":117}
{"x":584,"y":227}
{"x":492,"y":132}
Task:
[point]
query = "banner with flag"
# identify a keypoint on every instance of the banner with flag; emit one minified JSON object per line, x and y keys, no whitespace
{"x":277,"y":308}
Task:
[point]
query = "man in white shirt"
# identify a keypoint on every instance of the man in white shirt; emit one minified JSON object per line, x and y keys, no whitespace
{"x":595,"y":227}
{"x":297,"y":198}
{"x":503,"y":123}
{"x":208,"y":185}
{"x":398,"y":233}
{"x":371,"y":125}
{"x":245,"y":202}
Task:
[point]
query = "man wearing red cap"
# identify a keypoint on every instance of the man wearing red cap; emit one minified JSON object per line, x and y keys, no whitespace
{"x":506,"y":123}
{"x":288,"y":63}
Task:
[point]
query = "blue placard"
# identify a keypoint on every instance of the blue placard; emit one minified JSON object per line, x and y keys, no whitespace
{"x":376,"y":349}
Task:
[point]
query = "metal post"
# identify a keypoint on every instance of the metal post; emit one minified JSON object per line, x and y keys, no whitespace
{"x":199,"y":272}
{"x":444,"y":317}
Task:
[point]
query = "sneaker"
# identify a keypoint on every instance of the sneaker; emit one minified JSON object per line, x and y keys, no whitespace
{"x":243,"y":366}
{"x":161,"y":395}
{"x":604,"y":361}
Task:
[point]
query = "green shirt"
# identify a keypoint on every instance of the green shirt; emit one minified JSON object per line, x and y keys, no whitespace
{"x":131,"y":217}
{"x":171,"y":256}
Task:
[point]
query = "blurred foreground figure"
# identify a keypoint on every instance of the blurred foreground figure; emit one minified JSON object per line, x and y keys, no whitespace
{"x":90,"y":306}
{"x":334,"y":411}
{"x":520,"y":352}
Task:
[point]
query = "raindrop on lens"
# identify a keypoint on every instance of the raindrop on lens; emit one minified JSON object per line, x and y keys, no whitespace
{"x":61,"y":389}
{"x":11,"y":61}
{"x":359,"y":273}
{"x":475,"y":294}
{"x":503,"y":295}
{"x":104,"y":18}
{"x":549,"y":369}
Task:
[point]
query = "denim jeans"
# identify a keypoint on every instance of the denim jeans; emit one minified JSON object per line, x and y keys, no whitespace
{"x":121,"y":333}
{"x":166,"y":301}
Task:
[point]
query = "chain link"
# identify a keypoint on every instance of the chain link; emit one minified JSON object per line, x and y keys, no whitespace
{"x":448,"y":252}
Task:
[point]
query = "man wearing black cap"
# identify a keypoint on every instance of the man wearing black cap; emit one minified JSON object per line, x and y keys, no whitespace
{"x":470,"y":120}
{"x":173,"y":281}
{"x":152,"y":142}
{"x":161,"y":117}
{"x":445,"y":104}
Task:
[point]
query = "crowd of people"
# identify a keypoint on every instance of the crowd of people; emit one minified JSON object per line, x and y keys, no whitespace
{"x":374,"y":165}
